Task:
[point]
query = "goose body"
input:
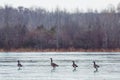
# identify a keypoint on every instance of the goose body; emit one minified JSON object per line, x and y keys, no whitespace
{"x":19,"y":64}
{"x":54,"y":65}
{"x":95,"y":65}
{"x":74,"y":65}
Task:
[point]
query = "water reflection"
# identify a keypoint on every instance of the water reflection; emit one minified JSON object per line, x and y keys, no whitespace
{"x":19,"y":68}
{"x":96,"y":71}
{"x":74,"y":70}
{"x":53,"y":70}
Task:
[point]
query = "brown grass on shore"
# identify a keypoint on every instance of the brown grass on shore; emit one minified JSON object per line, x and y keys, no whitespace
{"x":60,"y":50}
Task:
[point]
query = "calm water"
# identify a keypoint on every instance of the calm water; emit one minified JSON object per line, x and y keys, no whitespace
{"x":36,"y":66}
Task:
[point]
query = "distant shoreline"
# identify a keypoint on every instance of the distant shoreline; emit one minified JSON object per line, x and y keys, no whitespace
{"x":60,"y":50}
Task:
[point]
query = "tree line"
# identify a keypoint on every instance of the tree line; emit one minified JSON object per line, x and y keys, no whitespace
{"x":41,"y":29}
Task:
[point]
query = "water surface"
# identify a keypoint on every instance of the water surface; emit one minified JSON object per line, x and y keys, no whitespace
{"x":36,"y":66}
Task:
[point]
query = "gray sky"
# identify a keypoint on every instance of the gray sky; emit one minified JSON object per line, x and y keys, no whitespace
{"x":70,"y":5}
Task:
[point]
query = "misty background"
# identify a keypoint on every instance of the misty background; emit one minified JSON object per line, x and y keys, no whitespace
{"x":69,"y":5}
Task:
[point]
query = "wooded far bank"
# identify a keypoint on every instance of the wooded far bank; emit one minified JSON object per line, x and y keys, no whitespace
{"x":38,"y":29}
{"x":59,"y":50}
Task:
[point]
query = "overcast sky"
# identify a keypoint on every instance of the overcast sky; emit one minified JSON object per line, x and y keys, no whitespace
{"x":67,"y":4}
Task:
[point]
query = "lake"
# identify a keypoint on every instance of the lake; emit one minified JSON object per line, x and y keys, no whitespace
{"x":36,"y":66}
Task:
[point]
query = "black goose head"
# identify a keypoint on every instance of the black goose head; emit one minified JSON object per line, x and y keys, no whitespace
{"x":73,"y":61}
{"x":94,"y":62}
{"x":51,"y":60}
{"x":18,"y":61}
